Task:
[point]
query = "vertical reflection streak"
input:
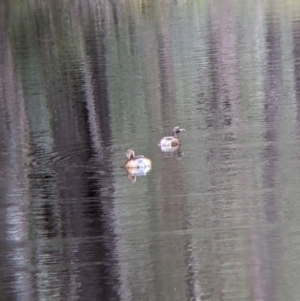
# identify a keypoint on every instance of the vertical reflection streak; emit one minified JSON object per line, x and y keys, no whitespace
{"x":16,"y":280}
{"x":99,"y":122}
{"x":166,"y":72}
{"x":223,"y":121}
{"x":271,"y":154}
{"x":296,"y":52}
{"x":174,"y":216}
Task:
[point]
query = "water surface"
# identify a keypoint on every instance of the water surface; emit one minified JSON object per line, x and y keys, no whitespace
{"x":81,"y":83}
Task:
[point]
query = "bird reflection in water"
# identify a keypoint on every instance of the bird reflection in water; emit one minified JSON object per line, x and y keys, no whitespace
{"x":134,"y":172}
{"x":171,"y":151}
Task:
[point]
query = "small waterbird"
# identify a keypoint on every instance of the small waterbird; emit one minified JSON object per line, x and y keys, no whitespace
{"x":171,"y":141}
{"x":136,"y":162}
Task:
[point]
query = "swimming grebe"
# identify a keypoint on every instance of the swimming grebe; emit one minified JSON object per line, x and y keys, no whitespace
{"x":136,"y":162}
{"x":171,"y":141}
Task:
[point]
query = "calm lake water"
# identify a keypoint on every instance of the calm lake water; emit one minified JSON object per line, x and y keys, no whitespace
{"x":83,"y":81}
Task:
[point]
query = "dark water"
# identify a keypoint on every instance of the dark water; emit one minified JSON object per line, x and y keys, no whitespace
{"x":81,"y":82}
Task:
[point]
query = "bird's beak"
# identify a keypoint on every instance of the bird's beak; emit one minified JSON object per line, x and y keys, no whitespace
{"x":182,"y":130}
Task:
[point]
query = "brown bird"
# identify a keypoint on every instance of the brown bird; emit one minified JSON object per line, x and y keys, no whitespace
{"x":171,"y":141}
{"x":136,"y":162}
